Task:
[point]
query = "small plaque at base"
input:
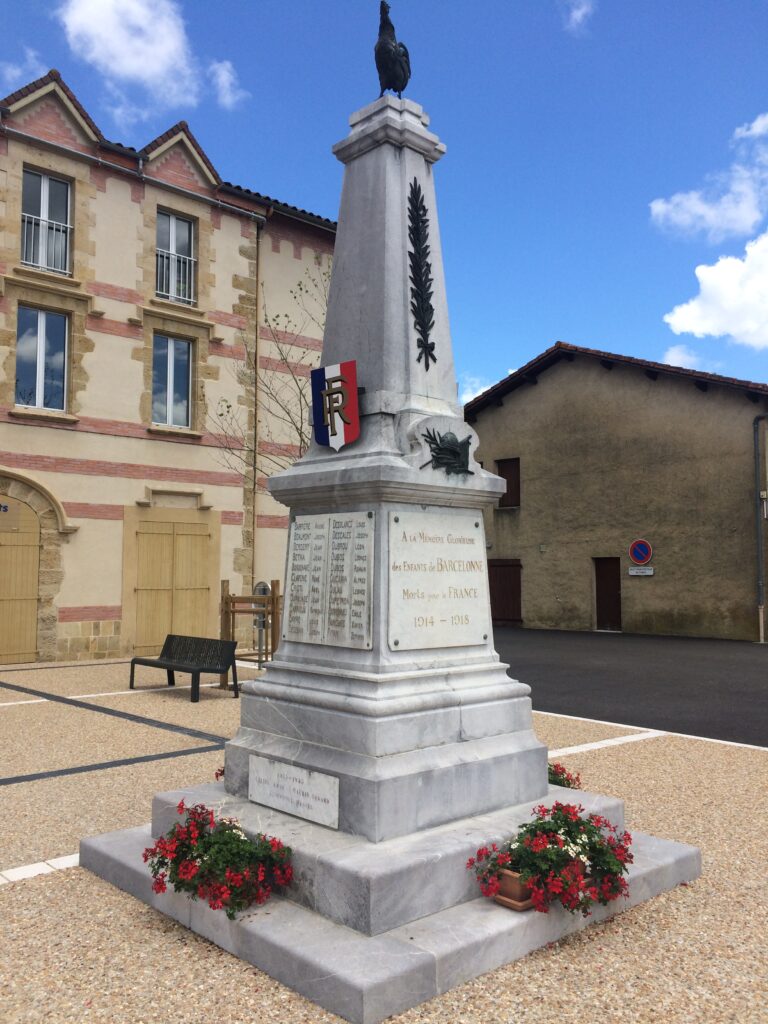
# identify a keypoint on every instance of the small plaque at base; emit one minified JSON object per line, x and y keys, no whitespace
{"x":313,"y":796}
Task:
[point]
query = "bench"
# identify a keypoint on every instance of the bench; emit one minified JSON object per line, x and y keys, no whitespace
{"x":193,"y":654}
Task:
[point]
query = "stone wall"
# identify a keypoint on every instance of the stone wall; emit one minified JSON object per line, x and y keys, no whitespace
{"x":608,"y":456}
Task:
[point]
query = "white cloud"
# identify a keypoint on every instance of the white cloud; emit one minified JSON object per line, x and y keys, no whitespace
{"x":681,"y":355}
{"x":731,"y":203}
{"x":732,"y":300}
{"x":471,"y":387}
{"x":224,"y":77}
{"x":576,"y":13}
{"x":13,"y":74}
{"x":755,"y":130}
{"x":134,"y":43}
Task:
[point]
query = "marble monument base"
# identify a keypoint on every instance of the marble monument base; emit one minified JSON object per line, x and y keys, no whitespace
{"x":368,"y":930}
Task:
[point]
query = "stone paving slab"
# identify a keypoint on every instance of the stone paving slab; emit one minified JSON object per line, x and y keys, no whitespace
{"x":366,"y":979}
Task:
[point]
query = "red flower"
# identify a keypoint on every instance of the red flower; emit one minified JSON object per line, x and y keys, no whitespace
{"x":181,"y":806}
{"x":159,"y":883}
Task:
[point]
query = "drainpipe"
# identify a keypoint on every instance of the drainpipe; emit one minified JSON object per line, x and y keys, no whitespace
{"x":759,"y":529}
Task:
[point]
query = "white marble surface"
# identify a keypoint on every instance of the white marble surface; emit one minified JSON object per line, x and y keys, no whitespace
{"x":438,"y":580}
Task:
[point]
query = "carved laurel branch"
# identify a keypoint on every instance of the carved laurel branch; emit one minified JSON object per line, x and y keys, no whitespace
{"x":421,"y":274}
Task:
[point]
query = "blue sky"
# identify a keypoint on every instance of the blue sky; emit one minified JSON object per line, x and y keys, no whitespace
{"x":607,"y":161}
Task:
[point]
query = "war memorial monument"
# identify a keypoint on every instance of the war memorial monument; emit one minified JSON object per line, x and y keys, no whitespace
{"x":385,"y":741}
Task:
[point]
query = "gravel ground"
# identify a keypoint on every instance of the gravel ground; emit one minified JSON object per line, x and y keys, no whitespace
{"x":48,"y":818}
{"x":568,"y":732}
{"x":73,"y":949}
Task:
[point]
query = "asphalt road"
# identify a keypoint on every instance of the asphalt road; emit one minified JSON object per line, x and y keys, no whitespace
{"x":713,"y":688}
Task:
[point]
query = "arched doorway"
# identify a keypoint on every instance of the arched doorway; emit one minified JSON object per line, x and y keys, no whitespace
{"x":32,"y":533}
{"x":19,"y":570}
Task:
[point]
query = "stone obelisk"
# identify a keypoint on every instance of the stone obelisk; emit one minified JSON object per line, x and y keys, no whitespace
{"x":386,"y":699}
{"x":385,"y":742}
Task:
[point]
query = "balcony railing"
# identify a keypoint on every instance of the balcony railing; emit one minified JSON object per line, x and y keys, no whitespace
{"x":175,"y":277}
{"x":45,"y":243}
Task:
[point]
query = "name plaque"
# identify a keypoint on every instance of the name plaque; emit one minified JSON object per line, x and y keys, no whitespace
{"x":438,"y":581}
{"x":329,"y":588}
{"x":286,"y":787}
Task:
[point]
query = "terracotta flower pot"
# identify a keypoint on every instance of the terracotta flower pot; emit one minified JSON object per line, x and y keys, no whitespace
{"x":512,"y":892}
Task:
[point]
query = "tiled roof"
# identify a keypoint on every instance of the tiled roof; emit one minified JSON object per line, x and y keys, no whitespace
{"x":182,"y":126}
{"x":54,"y":76}
{"x":226,"y":186}
{"x":561,"y":350}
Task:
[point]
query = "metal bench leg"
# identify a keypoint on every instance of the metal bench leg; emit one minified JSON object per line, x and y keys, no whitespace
{"x":130,"y":684}
{"x":195,"y":687}
{"x":171,"y":677}
{"x":234,"y":679}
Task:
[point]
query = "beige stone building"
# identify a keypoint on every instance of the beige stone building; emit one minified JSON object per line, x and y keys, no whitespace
{"x":601,"y":451}
{"x":133,"y":290}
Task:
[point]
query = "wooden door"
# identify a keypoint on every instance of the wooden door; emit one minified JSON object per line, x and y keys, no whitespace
{"x":608,"y":593}
{"x":172,"y":585}
{"x":504,"y":580}
{"x":154,"y":586}
{"x":19,"y":567}
{"x":191,"y":555}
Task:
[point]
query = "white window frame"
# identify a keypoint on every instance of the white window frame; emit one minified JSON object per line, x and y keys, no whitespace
{"x":172,"y":257}
{"x":42,"y":316}
{"x":170,"y":381}
{"x":44,"y":220}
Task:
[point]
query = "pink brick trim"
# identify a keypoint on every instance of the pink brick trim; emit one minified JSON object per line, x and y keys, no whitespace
{"x":217,"y":348}
{"x":228,"y":319}
{"x":273,"y":448}
{"x":299,"y":239}
{"x":125,"y":470}
{"x":215,"y":217}
{"x":102,"y":325}
{"x":99,"y":177}
{"x":83,"y":510}
{"x":137,"y":191}
{"x":272,"y":522}
{"x":121,"y":428}
{"x":114,"y":291}
{"x":299,"y":369}
{"x":3,"y":305}
{"x":231,"y":518}
{"x":91,"y":613}
{"x":3,"y":148}
{"x":297,"y":340}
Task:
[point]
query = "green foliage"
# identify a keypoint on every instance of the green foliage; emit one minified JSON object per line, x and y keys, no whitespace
{"x":215,"y":861}
{"x":562,"y":857}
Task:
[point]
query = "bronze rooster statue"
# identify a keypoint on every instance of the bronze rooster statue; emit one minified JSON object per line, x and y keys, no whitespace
{"x":392,"y":60}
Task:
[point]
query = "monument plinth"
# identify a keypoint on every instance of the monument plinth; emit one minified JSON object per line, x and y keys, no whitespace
{"x":385,"y":742}
{"x":386,"y":678}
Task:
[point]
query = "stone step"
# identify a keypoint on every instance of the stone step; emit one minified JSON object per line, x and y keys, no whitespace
{"x":366,"y":979}
{"x":374,"y":887}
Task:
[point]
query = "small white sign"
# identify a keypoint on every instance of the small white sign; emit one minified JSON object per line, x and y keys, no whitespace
{"x":641,"y":570}
{"x":286,"y":787}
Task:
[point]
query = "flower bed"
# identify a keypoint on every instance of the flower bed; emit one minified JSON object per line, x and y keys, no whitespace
{"x":558,"y":775}
{"x":562,"y":857}
{"x":215,"y":861}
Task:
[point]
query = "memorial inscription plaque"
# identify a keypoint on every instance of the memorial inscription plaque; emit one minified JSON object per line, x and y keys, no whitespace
{"x":329,"y":592}
{"x":438,"y":581}
{"x":287,"y":787}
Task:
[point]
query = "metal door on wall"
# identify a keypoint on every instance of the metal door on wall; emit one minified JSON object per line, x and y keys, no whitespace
{"x":608,"y":593}
{"x":19,"y":567}
{"x":172,"y":584}
{"x":505,"y":584}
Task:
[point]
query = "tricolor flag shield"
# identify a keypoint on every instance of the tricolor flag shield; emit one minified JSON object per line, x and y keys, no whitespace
{"x":335,"y":415}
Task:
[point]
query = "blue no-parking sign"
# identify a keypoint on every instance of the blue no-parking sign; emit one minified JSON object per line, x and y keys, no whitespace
{"x":641,"y":552}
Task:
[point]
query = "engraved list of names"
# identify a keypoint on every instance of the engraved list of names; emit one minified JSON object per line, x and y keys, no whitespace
{"x":329,"y":591}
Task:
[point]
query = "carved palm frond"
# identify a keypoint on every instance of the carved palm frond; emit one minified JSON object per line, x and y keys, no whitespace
{"x":421,"y":273}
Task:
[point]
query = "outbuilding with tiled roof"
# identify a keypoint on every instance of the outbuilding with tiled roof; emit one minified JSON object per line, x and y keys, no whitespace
{"x":602,"y":452}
